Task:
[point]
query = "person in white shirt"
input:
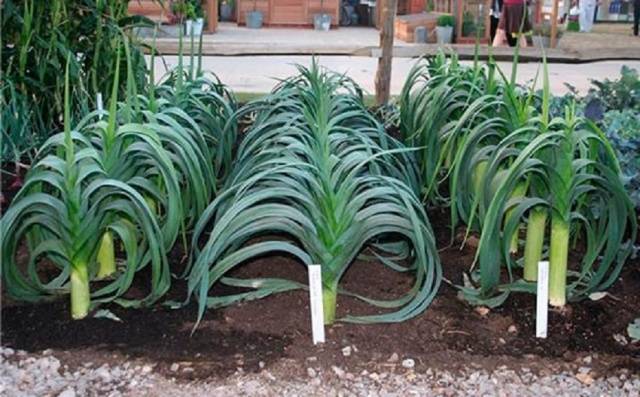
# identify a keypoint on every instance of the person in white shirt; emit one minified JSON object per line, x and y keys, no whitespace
{"x":587,"y":12}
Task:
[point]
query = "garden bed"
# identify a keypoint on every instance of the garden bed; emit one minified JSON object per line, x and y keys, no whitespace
{"x":450,"y":335}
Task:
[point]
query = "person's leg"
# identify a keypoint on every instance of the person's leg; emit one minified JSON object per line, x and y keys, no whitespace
{"x":586,"y":18}
{"x":493,"y":27}
{"x":500,"y":38}
{"x":582,"y":17}
{"x":523,"y":41}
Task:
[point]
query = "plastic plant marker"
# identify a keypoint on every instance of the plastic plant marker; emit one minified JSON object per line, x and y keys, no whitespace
{"x":542,"y":301}
{"x":315,"y":299}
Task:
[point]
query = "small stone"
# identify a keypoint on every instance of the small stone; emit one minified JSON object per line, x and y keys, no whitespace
{"x":104,"y":374}
{"x":346,"y":351}
{"x":311,"y":373}
{"x":512,"y":329}
{"x":174,"y":367}
{"x":394,"y":358}
{"x":482,"y":310}
{"x":312,"y":358}
{"x":621,"y":339}
{"x":587,"y":360}
{"x":585,"y":378}
{"x":261,"y":364}
{"x":502,"y":341}
{"x":147,"y":369}
{"x":338,"y":371}
{"x":408,"y":363}
{"x":68,"y":393}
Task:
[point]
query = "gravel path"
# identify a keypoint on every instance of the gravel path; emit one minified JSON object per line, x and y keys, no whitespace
{"x":23,"y":374}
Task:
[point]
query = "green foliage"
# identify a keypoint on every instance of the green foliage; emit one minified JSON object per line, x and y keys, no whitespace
{"x":633,"y":330}
{"x":623,"y":131}
{"x":317,"y":178}
{"x":622,"y":93}
{"x":109,"y":197}
{"x":617,"y":103}
{"x":470,"y":27}
{"x":483,"y":140}
{"x":445,"y":20}
{"x":187,"y":9}
{"x":66,"y":202}
{"x":38,"y":38}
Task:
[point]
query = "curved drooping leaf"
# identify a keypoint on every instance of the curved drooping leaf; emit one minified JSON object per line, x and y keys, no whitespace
{"x":317,"y":171}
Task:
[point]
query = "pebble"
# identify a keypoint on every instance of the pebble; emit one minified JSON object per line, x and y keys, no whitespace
{"x":26,"y":374}
{"x":394,"y":358}
{"x":482,"y":310}
{"x":67,"y":393}
{"x":338,"y":371}
{"x":408,"y":363}
{"x":346,"y":351}
{"x":584,"y":378}
{"x":311,"y":373}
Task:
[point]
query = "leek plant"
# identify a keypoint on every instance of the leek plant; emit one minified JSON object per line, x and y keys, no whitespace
{"x":437,"y":94}
{"x":477,"y":157}
{"x":580,"y":190}
{"x":133,"y":176}
{"x":207,"y":101}
{"x":65,"y":205}
{"x":316,"y":177}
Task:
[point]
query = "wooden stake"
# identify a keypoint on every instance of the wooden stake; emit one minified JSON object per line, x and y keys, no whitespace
{"x":212,"y":15}
{"x":383,"y":74}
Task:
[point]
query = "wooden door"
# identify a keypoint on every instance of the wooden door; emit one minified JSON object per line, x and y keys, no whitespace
{"x":288,"y":12}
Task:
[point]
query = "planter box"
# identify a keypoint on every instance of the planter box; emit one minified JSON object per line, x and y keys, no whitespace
{"x":151,"y":9}
{"x":405,"y":25}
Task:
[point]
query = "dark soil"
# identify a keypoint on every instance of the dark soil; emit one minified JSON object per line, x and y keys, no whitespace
{"x":451,"y":334}
{"x":11,"y":179}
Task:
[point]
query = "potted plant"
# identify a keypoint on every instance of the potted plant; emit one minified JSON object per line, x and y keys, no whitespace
{"x":322,"y":21}
{"x":254,"y":18}
{"x":444,"y":29}
{"x":198,"y":23}
{"x":192,"y":12}
{"x":541,"y":36}
{"x":226,"y":10}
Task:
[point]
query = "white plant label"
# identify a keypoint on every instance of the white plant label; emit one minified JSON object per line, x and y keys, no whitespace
{"x":99,"y":102}
{"x":542,"y":301}
{"x":315,"y":299}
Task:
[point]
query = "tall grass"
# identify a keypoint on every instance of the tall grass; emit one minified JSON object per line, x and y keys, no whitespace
{"x":37,"y":39}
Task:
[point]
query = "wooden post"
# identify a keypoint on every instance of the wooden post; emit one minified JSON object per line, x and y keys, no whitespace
{"x":459,"y":18}
{"x":212,"y":15}
{"x":383,"y":74}
{"x":554,"y":24}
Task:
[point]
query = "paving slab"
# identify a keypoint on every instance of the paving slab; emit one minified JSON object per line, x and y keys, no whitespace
{"x":232,"y":40}
{"x":259,"y":74}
